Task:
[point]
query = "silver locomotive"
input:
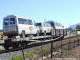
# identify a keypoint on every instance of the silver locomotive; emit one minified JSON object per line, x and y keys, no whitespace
{"x":13,"y":26}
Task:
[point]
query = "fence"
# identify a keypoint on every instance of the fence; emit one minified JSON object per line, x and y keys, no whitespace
{"x":46,"y":50}
{"x":60,"y":49}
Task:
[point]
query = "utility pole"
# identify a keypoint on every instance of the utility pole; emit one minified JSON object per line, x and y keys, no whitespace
{"x":52,"y":34}
{"x":23,"y":53}
{"x":42,"y":51}
{"x":51,"y":50}
{"x":23,"y":36}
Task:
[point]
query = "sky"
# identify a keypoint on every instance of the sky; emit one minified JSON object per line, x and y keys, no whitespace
{"x":66,"y":12}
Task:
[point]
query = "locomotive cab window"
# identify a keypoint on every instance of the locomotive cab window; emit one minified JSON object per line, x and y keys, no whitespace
{"x":24,"y":21}
{"x":29,"y":22}
{"x":6,"y":21}
{"x":47,"y":25}
{"x":12,"y":20}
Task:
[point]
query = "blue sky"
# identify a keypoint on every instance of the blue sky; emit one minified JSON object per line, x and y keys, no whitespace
{"x":66,"y":12}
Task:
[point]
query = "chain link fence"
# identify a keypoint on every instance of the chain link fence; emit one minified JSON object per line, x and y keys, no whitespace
{"x":63,"y":49}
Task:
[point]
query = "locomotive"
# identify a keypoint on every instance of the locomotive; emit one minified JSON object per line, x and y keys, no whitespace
{"x":50,"y":28}
{"x":14,"y":26}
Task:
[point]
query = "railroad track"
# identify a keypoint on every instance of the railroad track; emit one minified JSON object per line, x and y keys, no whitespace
{"x":33,"y":44}
{"x":58,"y":40}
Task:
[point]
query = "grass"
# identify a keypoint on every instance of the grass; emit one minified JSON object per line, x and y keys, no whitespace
{"x":18,"y":57}
{"x":29,"y":54}
{"x":35,"y":53}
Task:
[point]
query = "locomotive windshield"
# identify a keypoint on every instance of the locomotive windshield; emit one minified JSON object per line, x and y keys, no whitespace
{"x":24,"y":21}
{"x":6,"y":21}
{"x":9,"y":21}
{"x":12,"y":20}
{"x":38,"y":24}
{"x":50,"y":23}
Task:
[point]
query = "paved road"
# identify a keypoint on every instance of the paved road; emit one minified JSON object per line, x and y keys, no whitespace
{"x":7,"y":56}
